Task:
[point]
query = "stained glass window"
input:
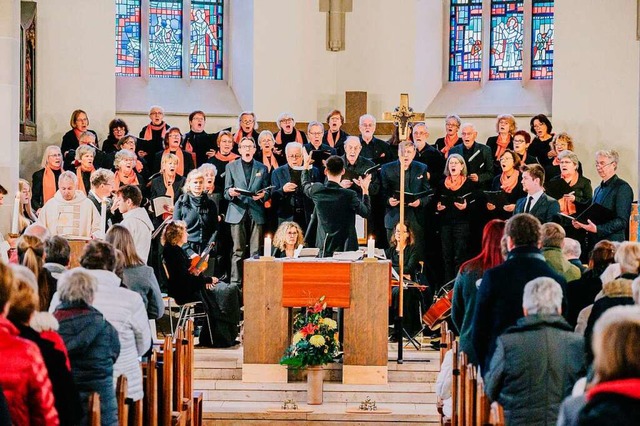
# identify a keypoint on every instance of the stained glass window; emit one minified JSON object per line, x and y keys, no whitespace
{"x":465,"y":40}
{"x":128,"y":38}
{"x":507,"y":35}
{"x":206,"y":39}
{"x":165,"y":38}
{"x":542,"y":40}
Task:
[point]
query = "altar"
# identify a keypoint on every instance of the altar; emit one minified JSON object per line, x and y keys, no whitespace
{"x":272,"y":286}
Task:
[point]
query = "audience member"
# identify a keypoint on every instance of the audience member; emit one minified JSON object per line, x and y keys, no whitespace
{"x":135,"y":219}
{"x":572,"y":251}
{"x":57,"y":254}
{"x":552,"y":243}
{"x":31,"y":254}
{"x":288,"y":237}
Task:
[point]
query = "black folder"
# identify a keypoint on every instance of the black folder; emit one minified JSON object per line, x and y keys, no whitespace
{"x":410,"y":197}
{"x":250,"y":193}
{"x":596,"y":213}
{"x":497,"y":198}
{"x":448,"y":200}
{"x":319,"y":155}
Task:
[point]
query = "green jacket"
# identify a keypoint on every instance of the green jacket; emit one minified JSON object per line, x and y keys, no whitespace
{"x":555,"y":259}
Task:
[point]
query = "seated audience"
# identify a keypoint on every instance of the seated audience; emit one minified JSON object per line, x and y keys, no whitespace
{"x":572,"y":251}
{"x":136,"y":275}
{"x":468,"y":280}
{"x":444,"y":382}
{"x":70,"y":212}
{"x":135,"y":219}
{"x":552,"y":242}
{"x":287,"y":239}
{"x":57,"y":253}
{"x":45,"y":180}
{"x":222,"y":301}
{"x":23,"y":376}
{"x":123,"y":308}
{"x":24,"y":304}
{"x":91,"y":341}
{"x":31,"y":254}
{"x":536,"y":361}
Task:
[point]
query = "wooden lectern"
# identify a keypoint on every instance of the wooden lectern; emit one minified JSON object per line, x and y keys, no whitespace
{"x":271,"y":287}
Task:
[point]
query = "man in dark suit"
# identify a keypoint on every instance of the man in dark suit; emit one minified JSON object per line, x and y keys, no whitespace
{"x":101,"y":188}
{"x":499,"y":299}
{"x":289,"y":201}
{"x":536,"y":203}
{"x":336,"y":207}
{"x":477,"y":156}
{"x":614,"y":194}
{"x":416,"y":181}
{"x":245,"y":213}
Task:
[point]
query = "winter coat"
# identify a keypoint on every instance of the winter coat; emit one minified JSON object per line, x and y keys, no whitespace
{"x":612,"y":403}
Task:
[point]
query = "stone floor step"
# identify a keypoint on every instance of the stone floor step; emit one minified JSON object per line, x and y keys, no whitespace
{"x":329,"y":413}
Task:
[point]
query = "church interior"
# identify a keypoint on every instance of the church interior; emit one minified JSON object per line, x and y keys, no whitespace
{"x":309,"y":58}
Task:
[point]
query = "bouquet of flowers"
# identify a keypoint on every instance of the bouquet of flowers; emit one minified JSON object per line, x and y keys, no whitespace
{"x":315,"y":340}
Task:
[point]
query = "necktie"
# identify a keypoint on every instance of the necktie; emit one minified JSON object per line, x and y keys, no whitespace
{"x":527,"y":208}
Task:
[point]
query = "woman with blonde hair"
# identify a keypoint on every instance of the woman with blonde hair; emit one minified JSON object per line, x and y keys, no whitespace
{"x":45,"y":180}
{"x":505,"y":129}
{"x":287,"y":239}
{"x":27,"y":216}
{"x":31,"y":254}
{"x":85,"y":155}
{"x":136,"y":275}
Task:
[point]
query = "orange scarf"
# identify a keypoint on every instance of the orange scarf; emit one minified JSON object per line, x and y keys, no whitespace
{"x":180,"y":155}
{"x":279,"y":136}
{"x":48,"y":185}
{"x":270,"y":162}
{"x":501,"y":145}
{"x":139,"y":166}
{"x":454,"y":183}
{"x":449,"y":142}
{"x":226,"y":158}
{"x":121,"y":179}
{"x":523,"y":157}
{"x":507,"y":183}
{"x":189,"y":148}
{"x":240,"y":134}
{"x":168,"y":184}
{"x":79,"y":171}
{"x":330,"y":140}
{"x":148,"y":135}
{"x":566,"y":206}
{"x":77,"y":133}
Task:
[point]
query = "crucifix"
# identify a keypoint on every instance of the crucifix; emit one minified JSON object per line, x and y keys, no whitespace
{"x":402,"y":116}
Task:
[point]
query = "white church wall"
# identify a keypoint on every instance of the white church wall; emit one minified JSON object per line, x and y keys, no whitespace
{"x":596,"y":72}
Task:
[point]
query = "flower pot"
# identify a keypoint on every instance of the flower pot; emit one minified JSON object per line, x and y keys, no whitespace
{"x":315,"y":377}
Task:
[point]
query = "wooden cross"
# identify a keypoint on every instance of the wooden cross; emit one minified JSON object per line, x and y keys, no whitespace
{"x":402,"y":116}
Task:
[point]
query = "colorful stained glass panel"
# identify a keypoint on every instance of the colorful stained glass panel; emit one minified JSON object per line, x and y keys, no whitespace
{"x":128,"y":38}
{"x":165,"y":38}
{"x":206,"y":39}
{"x":465,"y":40}
{"x":542,"y":40}
{"x":507,"y":35}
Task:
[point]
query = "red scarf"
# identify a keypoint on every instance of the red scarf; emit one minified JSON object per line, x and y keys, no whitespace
{"x":121,"y":179}
{"x":298,"y":136}
{"x":240,"y":134}
{"x":454,"y":183}
{"x":148,"y":135}
{"x":180,"y":155}
{"x":79,"y":171}
{"x":330,"y":140}
{"x":270,"y":161}
{"x":226,"y":158}
{"x":48,"y":185}
{"x":501,"y":145}
{"x":507,"y":183}
{"x":449,"y":142}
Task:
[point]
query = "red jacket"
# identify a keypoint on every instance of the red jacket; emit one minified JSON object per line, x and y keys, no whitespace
{"x":24,"y":379}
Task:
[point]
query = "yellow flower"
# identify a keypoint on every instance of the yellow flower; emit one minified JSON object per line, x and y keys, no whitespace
{"x":296,"y":338}
{"x":317,"y":340}
{"x":331,"y":324}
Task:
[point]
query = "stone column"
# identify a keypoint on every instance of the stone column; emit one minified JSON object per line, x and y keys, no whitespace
{"x":9,"y":105}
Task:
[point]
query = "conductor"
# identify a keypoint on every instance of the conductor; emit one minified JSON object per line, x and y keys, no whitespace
{"x":336,"y":207}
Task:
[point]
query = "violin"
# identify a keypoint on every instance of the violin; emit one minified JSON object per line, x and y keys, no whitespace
{"x":200,"y":262}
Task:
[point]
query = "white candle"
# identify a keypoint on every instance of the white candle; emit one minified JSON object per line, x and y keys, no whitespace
{"x":103,"y":218}
{"x":267,"y":246}
{"x":16,"y":214}
{"x":371,"y":248}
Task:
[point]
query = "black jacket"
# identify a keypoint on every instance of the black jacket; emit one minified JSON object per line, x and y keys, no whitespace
{"x":435,"y":163}
{"x":544,"y":209}
{"x":70,"y":141}
{"x":357,"y":169}
{"x":617,"y":195}
{"x":37,"y":193}
{"x":376,"y":150}
{"x":200,"y":143}
{"x":613,"y":403}
{"x":201,"y":216}
{"x":188,"y":162}
{"x":492,"y":142}
{"x":183,"y":286}
{"x":416,"y":181}
{"x":479,"y":160}
{"x":292,"y":205}
{"x":339,"y":143}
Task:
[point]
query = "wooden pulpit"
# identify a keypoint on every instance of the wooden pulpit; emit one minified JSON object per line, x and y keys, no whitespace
{"x":272,"y":286}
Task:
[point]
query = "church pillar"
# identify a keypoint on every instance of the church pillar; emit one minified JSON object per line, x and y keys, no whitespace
{"x":9,"y":105}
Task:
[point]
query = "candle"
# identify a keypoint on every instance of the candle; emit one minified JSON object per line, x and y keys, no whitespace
{"x":371,"y":248}
{"x":267,"y":246}
{"x":103,"y":218}
{"x":16,"y":214}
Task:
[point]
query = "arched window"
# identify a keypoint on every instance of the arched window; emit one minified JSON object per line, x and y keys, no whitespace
{"x":519,"y":35}
{"x":152,"y":41}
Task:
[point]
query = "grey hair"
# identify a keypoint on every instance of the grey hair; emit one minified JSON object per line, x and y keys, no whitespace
{"x":47,"y":153}
{"x":570,"y":155}
{"x":611,"y":154}
{"x":468,"y":124}
{"x":616,"y":314}
{"x":25,"y":275}
{"x":628,"y":256}
{"x":205,"y":167}
{"x":77,"y":285}
{"x":252,"y":114}
{"x":420,"y":124}
{"x":263,"y":134}
{"x":37,"y":230}
{"x":87,"y":133}
{"x":454,"y":117}
{"x":366,"y":117}
{"x":293,"y":145}
{"x":156,"y":107}
{"x":121,"y":156}
{"x":542,"y":296}
{"x":283,"y":116}
{"x":354,"y":139}
{"x":314,"y":124}
{"x":571,"y":248}
{"x":460,"y":158}
{"x":101,"y":176}
{"x":635,"y":289}
{"x":68,"y":175}
{"x":83,"y":150}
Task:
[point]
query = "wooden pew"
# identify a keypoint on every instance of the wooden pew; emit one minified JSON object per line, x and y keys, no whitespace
{"x":150,"y":375}
{"x":496,"y":417}
{"x":455,"y":371}
{"x":483,"y":407}
{"x":183,"y":373}
{"x":169,"y":417}
{"x":445,"y":340}
{"x":470,"y":395}
{"x":121,"y":395}
{"x":93,"y":418}
{"x":461,"y":384}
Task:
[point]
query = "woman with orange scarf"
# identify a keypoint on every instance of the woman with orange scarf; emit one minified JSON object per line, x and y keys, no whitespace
{"x":521,"y":144}
{"x":45,"y":180}
{"x":84,"y":160}
{"x":168,"y":183}
{"x":79,"y":123}
{"x":509,"y":182}
{"x":124,"y":163}
{"x":572,"y":190}
{"x":451,"y":138}
{"x":505,"y":127}
{"x":454,"y":209}
{"x":223,"y":156}
{"x":563,"y":142}
{"x":172,"y":141}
